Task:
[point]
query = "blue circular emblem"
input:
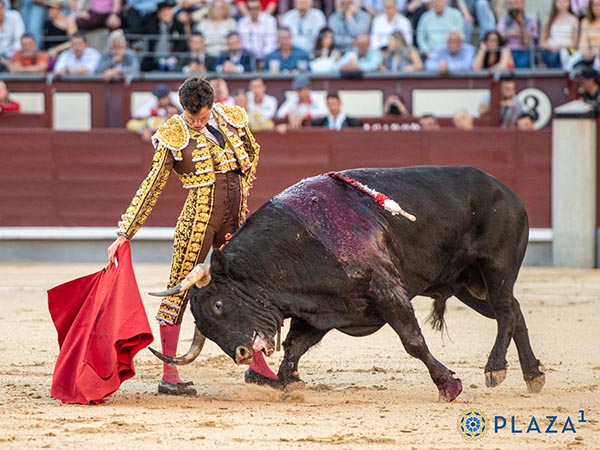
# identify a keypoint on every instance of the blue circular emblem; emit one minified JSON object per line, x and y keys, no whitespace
{"x":472,"y":424}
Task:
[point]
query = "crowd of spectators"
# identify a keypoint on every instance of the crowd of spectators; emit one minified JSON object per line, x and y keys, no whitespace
{"x":356,"y":37}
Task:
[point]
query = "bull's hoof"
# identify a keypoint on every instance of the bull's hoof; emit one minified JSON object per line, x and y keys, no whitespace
{"x":535,"y":385}
{"x":252,"y":377}
{"x":451,"y":390}
{"x":495,"y":377}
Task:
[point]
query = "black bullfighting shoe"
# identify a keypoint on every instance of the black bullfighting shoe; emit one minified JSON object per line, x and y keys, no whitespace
{"x":164,"y":387}
{"x":252,"y":377}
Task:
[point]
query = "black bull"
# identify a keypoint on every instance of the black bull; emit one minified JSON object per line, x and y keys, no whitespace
{"x":329,"y":257}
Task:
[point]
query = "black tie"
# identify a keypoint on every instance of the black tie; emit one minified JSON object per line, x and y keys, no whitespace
{"x":217,"y":134}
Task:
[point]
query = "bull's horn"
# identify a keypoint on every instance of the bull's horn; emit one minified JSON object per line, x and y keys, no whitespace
{"x":200,"y":275}
{"x":191,"y":355}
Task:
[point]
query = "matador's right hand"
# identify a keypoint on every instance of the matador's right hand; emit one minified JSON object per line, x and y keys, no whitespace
{"x":112,"y":249}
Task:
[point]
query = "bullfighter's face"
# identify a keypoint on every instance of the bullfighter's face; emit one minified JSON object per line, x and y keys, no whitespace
{"x":239,"y":323}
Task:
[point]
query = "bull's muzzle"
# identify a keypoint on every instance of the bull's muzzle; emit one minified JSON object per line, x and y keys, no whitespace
{"x":244,"y":355}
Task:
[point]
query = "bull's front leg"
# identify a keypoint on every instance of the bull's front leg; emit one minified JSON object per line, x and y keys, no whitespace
{"x":397,"y":310}
{"x":299,"y":339}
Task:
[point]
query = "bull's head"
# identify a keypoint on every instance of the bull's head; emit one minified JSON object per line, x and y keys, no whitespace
{"x":228,"y":311}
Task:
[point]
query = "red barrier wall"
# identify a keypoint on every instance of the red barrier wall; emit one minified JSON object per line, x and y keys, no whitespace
{"x":88,"y":178}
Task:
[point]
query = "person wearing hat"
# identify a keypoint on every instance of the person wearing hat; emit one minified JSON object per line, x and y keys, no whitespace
{"x":589,"y":90}
{"x":213,"y":152}
{"x":302,"y":107}
{"x":169,"y":38}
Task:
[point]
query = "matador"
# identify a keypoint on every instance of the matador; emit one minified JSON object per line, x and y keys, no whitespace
{"x":213,"y":152}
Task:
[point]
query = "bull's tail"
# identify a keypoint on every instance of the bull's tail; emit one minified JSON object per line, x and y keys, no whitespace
{"x":436,"y":316}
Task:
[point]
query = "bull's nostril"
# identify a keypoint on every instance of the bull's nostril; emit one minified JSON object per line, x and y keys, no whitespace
{"x":242,"y":351}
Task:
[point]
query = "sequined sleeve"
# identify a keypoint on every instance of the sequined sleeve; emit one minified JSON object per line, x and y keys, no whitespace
{"x":147,"y":194}
{"x":252,"y":148}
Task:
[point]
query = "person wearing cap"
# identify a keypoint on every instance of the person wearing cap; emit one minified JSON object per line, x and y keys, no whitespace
{"x":213,"y":152}
{"x":589,"y":90}
{"x":302,"y":107}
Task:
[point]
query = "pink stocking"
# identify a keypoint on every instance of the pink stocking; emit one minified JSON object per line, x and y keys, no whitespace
{"x":169,"y":336}
{"x":260,"y":366}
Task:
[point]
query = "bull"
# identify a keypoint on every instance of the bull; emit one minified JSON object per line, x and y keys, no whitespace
{"x":327,"y":256}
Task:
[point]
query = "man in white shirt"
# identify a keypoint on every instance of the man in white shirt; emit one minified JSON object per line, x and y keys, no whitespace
{"x":258,"y":31}
{"x":259,"y":101}
{"x":304,"y":22}
{"x":11,"y":30}
{"x":386,"y":23}
{"x":79,"y":59}
{"x":302,"y":106}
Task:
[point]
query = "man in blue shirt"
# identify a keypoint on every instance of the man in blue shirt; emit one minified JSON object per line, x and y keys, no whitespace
{"x":287,"y":57}
{"x":348,"y":23}
{"x":455,"y":56}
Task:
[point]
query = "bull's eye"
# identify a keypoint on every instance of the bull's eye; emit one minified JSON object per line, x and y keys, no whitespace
{"x":218,"y":307}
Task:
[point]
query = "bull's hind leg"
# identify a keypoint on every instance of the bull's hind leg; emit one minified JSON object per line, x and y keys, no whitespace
{"x":530,"y":365}
{"x":299,"y":339}
{"x":397,"y":310}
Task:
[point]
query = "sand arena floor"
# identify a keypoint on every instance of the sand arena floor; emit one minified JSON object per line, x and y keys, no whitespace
{"x":362,"y":393}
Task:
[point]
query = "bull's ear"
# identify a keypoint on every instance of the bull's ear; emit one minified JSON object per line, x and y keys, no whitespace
{"x":218,"y":262}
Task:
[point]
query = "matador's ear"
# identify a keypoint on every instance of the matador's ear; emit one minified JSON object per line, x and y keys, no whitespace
{"x":218,"y":262}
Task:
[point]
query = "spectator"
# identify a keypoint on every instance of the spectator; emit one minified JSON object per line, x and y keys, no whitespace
{"x":455,"y":56}
{"x":336,"y":119}
{"x":34,"y":13}
{"x":287,"y":57}
{"x":480,"y":10}
{"x":118,"y":61}
{"x":302,"y":106}
{"x":266,"y":6}
{"x":463,"y":120}
{"x":324,"y":55}
{"x":559,"y":34}
{"x":148,"y":126}
{"x":579,"y":8}
{"x":429,"y":122}
{"x":79,"y":59}
{"x":256,"y":120}
{"x":348,"y":23}
{"x":388,"y":22}
{"x":493,"y":55}
{"x":510,"y":105}
{"x":377,"y":7}
{"x":361,"y":58}
{"x":168,"y":39}
{"x":235,"y":59}
{"x":394,"y":106}
{"x":259,"y":101}
{"x":435,"y":24}
{"x":304,"y":22}
{"x":188,"y":12}
{"x":58,"y":29}
{"x":525,"y":122}
{"x":197,"y":61}
{"x":398,"y":56}
{"x":28,"y":59}
{"x":589,"y":90}
{"x":162,"y":97}
{"x":520,"y":31}
{"x":11,"y":30}
{"x":258,"y":31}
{"x":216,"y":26}
{"x":137,"y":14}
{"x":589,"y":37}
{"x":6,"y":104}
{"x":414,"y":11}
{"x":221,"y":89}
{"x":97,"y":14}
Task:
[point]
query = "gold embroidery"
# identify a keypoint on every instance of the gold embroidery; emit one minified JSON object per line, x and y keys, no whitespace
{"x":234,"y":115}
{"x":173,"y":134}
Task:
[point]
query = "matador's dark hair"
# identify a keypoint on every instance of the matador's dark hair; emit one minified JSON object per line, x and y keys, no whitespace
{"x":195,"y":93}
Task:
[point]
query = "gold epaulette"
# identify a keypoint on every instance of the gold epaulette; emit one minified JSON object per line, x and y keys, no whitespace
{"x":173,"y":134}
{"x":234,"y":115}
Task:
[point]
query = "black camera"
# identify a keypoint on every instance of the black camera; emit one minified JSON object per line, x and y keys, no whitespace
{"x":514,"y":12}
